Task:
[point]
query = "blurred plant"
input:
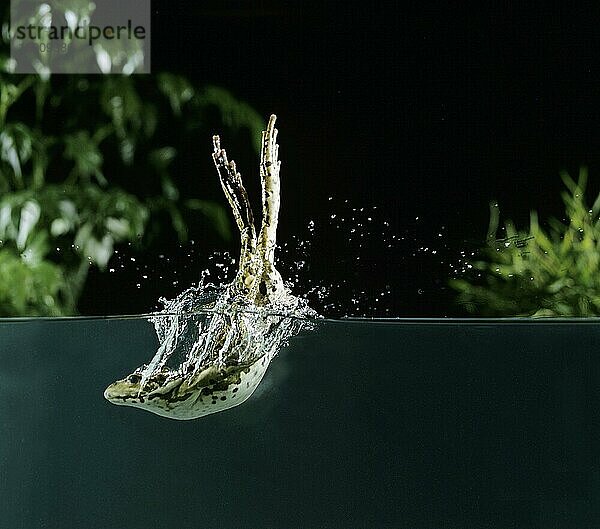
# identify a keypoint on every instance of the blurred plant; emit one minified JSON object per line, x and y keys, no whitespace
{"x":74,"y":151}
{"x":552,"y":272}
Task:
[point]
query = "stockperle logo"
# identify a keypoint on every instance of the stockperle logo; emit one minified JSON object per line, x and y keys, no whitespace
{"x":80,"y":36}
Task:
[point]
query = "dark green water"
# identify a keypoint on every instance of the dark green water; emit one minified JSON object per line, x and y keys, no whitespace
{"x":357,"y":425}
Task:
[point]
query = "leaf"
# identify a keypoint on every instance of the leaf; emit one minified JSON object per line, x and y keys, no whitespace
{"x":121,"y":102}
{"x":170,"y":191}
{"x":162,"y":158}
{"x":99,"y":251}
{"x":84,"y":152}
{"x":178,"y":222}
{"x":6,"y":226}
{"x":570,"y":184}
{"x":492,"y":232}
{"x":120,"y":228}
{"x":37,"y":248}
{"x":9,"y":92}
{"x":16,"y":145}
{"x":84,"y":234}
{"x":7,"y":64}
{"x":30,"y":214}
{"x":178,"y":90}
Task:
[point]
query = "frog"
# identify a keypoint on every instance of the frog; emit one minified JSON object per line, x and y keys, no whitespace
{"x":214,"y":354}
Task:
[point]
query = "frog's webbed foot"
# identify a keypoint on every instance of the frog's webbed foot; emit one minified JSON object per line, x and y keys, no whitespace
{"x":231,"y":182}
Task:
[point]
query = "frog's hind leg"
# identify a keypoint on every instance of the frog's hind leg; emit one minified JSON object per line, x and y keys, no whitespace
{"x":271,"y":284}
{"x":231,"y":182}
{"x":269,"y":175}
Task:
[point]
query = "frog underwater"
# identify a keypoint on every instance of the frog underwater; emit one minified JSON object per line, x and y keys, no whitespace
{"x":215,"y":345}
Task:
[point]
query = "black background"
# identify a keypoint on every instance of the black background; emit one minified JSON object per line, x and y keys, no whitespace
{"x":419,"y":109}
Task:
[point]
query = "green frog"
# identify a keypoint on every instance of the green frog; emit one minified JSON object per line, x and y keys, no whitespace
{"x":216,"y":346}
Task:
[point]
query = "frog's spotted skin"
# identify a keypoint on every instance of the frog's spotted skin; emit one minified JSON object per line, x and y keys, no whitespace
{"x":210,"y":391}
{"x":225,"y":339}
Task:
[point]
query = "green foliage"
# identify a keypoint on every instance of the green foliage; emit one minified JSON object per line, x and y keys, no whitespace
{"x":540,"y":272}
{"x":31,"y":288}
{"x":87,"y":163}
